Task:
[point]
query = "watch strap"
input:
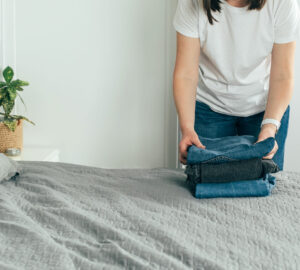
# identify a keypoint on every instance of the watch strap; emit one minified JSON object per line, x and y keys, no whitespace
{"x":271,"y":121}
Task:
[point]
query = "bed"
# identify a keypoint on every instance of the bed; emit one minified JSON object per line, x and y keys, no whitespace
{"x":65,"y":216}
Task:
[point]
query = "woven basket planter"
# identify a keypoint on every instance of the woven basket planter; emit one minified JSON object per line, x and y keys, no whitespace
{"x":9,"y":139}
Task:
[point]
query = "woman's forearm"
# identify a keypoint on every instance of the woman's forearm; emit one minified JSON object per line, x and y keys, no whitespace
{"x":184,"y":93}
{"x":279,"y":97}
{"x":281,"y":80}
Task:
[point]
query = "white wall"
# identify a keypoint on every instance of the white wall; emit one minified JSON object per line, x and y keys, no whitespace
{"x":99,"y":80}
{"x":292,"y":149}
{"x":7,"y":33}
{"x":293,"y":143}
{"x":172,"y":126}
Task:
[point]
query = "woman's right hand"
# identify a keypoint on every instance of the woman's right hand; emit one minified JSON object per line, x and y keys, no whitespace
{"x":189,"y":137}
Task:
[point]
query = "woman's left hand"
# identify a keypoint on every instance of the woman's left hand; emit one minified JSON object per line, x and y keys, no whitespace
{"x":268,"y":130}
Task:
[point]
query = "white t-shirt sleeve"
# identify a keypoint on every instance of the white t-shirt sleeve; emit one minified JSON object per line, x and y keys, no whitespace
{"x":186,"y":19}
{"x":287,"y":21}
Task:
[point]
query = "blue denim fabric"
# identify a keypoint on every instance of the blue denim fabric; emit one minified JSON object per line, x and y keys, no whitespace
{"x":229,"y":148}
{"x":248,"y":188}
{"x":211,"y":124}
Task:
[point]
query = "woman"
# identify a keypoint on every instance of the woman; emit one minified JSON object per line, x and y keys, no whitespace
{"x":234,"y":72}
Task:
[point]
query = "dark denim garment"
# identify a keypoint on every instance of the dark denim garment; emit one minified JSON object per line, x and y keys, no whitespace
{"x":255,"y":188}
{"x":229,"y":148}
{"x":239,"y":170}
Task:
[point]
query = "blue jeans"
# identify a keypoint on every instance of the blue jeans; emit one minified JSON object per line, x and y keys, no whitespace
{"x":211,"y":124}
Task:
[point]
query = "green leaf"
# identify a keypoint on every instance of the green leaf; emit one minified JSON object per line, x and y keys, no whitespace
{"x":19,"y":117}
{"x":1,"y":95}
{"x":2,"y":84}
{"x":8,"y":74}
{"x":3,"y":90}
{"x":11,"y":123}
{"x":22,"y":100}
{"x":19,"y":83}
{"x":16,"y":117}
{"x":12,"y":93}
{"x":8,"y":105}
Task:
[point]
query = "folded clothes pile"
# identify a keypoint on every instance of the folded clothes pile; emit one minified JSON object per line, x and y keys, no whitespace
{"x":231,"y":166}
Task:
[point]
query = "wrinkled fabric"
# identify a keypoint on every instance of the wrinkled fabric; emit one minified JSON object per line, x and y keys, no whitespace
{"x":230,"y":171}
{"x":229,"y":148}
{"x":63,"y":216}
{"x":256,"y":188}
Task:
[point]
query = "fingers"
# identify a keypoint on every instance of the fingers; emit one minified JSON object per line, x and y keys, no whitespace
{"x":183,"y":161}
{"x":198,"y":143}
{"x":272,"y":153}
{"x":183,"y":152}
{"x":270,"y":156}
{"x":185,"y":143}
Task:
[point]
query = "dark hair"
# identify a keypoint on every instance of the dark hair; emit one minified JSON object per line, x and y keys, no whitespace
{"x":214,"y":5}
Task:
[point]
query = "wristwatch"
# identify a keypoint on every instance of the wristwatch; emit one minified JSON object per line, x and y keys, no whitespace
{"x":271,"y":121}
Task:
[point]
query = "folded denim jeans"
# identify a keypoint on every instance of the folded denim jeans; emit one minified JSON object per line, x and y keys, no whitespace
{"x":229,"y":148}
{"x":239,"y":170}
{"x":248,"y":188}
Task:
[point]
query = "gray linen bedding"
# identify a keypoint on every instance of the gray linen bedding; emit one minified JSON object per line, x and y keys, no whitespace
{"x":64,"y":216}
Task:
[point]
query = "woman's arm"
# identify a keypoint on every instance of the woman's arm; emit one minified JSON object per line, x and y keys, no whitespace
{"x":185,"y":80}
{"x":281,"y":88}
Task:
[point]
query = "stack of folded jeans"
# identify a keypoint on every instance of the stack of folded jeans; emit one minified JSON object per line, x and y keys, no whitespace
{"x":231,"y":166}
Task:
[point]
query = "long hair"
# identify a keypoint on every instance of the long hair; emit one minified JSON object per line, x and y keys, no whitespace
{"x":214,"y":5}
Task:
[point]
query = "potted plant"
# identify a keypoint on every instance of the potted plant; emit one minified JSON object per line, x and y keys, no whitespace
{"x":11,"y":126}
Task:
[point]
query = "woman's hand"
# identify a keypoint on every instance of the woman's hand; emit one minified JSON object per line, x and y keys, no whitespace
{"x":189,"y":137}
{"x":268,"y":130}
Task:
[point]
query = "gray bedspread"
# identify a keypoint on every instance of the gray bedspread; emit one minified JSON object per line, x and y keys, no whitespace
{"x":63,"y":216}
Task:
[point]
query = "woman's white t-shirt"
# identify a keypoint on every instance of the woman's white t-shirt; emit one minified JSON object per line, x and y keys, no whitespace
{"x":235,"y":57}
